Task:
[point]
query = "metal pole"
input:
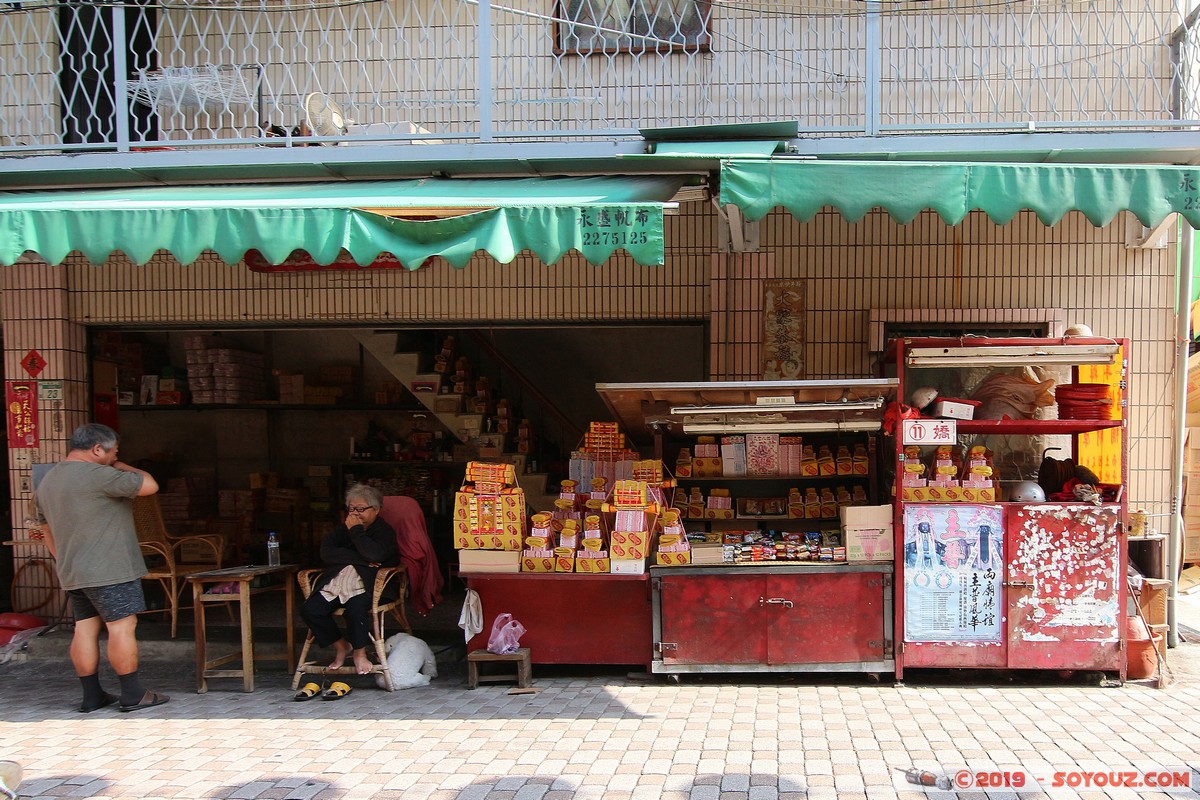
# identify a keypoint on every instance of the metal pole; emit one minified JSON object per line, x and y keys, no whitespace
{"x":120,"y":44}
{"x":871,"y":69}
{"x":486,"y":95}
{"x":1183,"y":337}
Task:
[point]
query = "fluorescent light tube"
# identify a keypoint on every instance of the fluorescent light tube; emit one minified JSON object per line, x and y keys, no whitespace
{"x":783,"y":427}
{"x":1000,"y":356}
{"x":870,"y":404}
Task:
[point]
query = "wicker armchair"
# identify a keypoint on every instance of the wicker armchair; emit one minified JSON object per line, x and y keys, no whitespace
{"x":385,"y":576}
{"x":163,"y":559}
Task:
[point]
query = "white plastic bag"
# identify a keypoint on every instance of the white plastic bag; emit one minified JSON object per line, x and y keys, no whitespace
{"x":506,"y":635}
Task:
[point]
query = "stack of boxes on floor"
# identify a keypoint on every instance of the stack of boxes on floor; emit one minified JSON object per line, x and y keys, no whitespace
{"x":489,"y":519}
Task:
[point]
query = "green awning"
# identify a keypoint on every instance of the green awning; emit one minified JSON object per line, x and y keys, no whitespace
{"x":905,"y":189}
{"x":453,"y":219}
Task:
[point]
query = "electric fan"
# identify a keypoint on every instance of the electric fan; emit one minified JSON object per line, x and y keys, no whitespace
{"x":324,"y":116}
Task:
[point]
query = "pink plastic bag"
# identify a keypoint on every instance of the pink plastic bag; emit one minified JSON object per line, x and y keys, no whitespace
{"x":506,"y":635}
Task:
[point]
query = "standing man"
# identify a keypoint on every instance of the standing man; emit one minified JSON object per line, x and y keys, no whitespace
{"x":85,"y":501}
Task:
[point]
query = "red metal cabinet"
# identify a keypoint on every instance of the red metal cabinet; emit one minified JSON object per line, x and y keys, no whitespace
{"x":570,"y":618}
{"x":1058,"y":591}
{"x":1065,"y":587}
{"x":784,"y":618}
{"x":1056,"y":576}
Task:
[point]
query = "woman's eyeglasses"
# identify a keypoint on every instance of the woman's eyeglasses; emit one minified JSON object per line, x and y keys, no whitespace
{"x":358,"y":509}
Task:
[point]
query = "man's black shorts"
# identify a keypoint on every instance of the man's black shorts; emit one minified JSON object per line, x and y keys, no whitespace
{"x":110,"y":603}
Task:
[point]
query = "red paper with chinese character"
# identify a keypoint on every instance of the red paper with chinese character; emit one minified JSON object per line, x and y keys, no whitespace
{"x":20,"y":402}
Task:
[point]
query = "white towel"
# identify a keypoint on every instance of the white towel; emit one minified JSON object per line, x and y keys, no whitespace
{"x":471,"y":618}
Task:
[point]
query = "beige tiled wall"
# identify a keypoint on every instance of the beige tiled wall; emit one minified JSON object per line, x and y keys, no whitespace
{"x":1072,"y":270}
{"x":34,"y":307}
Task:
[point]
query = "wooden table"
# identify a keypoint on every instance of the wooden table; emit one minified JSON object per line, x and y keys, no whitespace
{"x":241,"y":576}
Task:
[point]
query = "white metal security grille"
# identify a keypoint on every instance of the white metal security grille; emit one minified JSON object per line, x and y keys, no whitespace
{"x":226,"y":72}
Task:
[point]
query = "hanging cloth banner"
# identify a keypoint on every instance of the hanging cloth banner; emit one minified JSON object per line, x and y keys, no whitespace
{"x":20,"y":403}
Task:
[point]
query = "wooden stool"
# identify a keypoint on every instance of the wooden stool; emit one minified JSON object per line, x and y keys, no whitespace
{"x":523,"y":677}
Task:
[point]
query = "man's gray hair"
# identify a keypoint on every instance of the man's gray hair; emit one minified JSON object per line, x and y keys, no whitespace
{"x":90,"y":434}
{"x":367,"y":494}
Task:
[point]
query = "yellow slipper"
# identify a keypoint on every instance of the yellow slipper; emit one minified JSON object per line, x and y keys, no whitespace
{"x":307,"y":692}
{"x":336,"y":691}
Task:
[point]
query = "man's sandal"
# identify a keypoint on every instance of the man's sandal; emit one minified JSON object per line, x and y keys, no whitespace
{"x":336,"y":691}
{"x":307,"y":692}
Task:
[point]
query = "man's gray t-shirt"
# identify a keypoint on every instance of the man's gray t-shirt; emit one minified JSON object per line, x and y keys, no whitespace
{"x":91,"y":519}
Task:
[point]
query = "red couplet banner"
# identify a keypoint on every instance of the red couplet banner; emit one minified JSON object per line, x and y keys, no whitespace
{"x":20,"y":403}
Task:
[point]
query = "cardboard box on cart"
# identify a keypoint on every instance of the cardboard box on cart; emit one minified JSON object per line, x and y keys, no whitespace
{"x":868,"y":533}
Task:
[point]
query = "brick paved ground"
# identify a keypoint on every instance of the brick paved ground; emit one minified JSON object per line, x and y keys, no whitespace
{"x":591,"y":736}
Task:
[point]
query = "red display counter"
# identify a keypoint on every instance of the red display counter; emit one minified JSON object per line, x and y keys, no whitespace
{"x":779,"y":618}
{"x":570,"y":618}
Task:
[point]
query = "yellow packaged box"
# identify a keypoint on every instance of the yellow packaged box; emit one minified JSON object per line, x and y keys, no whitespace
{"x":629,"y":544}
{"x":540,"y":564}
{"x":564,"y":563}
{"x":591,"y":566}
{"x":674,"y":559}
{"x":465,"y":540}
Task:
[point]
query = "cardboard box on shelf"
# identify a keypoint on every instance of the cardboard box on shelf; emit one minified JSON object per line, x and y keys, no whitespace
{"x":626,"y":567}
{"x":869,"y":544}
{"x":866,"y":516}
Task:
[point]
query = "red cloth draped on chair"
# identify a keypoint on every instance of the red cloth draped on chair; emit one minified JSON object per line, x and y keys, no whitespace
{"x":416,"y":551}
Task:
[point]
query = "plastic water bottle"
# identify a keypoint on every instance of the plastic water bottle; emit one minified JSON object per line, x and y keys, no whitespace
{"x":272,"y":550}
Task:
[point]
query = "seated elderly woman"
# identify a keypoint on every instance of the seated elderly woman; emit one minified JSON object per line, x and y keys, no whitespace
{"x":352,"y":554}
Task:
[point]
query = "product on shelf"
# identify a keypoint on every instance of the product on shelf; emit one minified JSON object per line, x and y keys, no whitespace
{"x":762,"y":454}
{"x":751,"y":547}
{"x":683,"y":463}
{"x":719,"y":505}
{"x":673,"y":546}
{"x":733,"y":456}
{"x":706,"y":460}
{"x":635,"y":516}
{"x":539,"y":552}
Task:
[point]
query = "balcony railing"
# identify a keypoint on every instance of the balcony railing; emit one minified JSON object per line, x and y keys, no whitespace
{"x":233,"y":73}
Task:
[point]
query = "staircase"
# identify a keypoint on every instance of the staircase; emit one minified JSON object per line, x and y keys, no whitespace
{"x":448,"y":410}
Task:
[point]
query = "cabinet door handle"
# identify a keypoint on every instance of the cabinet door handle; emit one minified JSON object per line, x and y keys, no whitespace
{"x":777,"y":601}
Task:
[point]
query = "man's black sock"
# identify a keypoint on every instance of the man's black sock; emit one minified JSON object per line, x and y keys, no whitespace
{"x":93,"y":695}
{"x":132,"y":690}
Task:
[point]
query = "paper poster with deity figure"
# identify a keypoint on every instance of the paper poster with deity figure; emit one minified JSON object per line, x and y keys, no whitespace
{"x":953,"y":573}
